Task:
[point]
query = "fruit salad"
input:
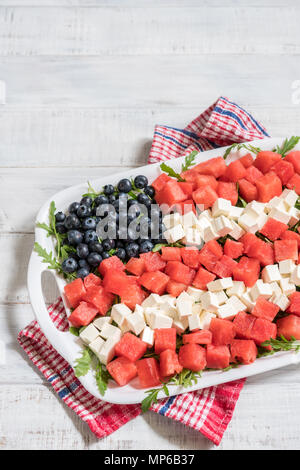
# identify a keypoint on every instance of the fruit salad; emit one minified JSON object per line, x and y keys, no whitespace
{"x":198,"y":271}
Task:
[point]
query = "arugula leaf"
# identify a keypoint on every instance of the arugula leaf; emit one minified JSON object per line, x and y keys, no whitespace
{"x":75,"y":331}
{"x":167,"y":169}
{"x":189,"y":160}
{"x":47,"y":257}
{"x":102,"y":378}
{"x":92,"y":193}
{"x":186,"y":378}
{"x":151,"y":399}
{"x":287,"y":145}
{"x":83,"y":363}
{"x":283,"y":344}
{"x":51,"y":229}
{"x":238,"y":146}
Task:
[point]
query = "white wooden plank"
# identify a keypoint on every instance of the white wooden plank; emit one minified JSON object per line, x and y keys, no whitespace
{"x":143,"y":3}
{"x":38,"y":137}
{"x":153,"y":31}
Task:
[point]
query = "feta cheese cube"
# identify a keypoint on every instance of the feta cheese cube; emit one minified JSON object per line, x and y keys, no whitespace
{"x":100,"y":322}
{"x":235,"y":212}
{"x":226,"y":310}
{"x":139,"y":310}
{"x":287,"y":287}
{"x":295,"y":276}
{"x":280,"y":215}
{"x":170,"y":220}
{"x":255,"y":208}
{"x":193,"y":237}
{"x":209,"y":234}
{"x":286,"y":266}
{"x":136,"y":323}
{"x":174,"y":234}
{"x":220,"y":284}
{"x":160,"y":321}
{"x":194,"y":322}
{"x":221,"y":207}
{"x":205,"y":319}
{"x":261,"y":220}
{"x":147,"y":336}
{"x":237,"y":232}
{"x":276,"y":202}
{"x":247,"y":300}
{"x":189,"y":220}
{"x":294,"y":216}
{"x":119,"y":312}
{"x":260,"y":289}
{"x":195,"y":293}
{"x":238,"y":288}
{"x":275,"y":288}
{"x":271,"y":273}
{"x":180,"y":325}
{"x":96,"y":345}
{"x":205,"y":215}
{"x":125,"y":327}
{"x":110,"y":331}
{"x":222,"y":225}
{"x":237,"y":304}
{"x":151,"y":301}
{"x":248,"y":223}
{"x":281,"y":301}
{"x":89,"y":334}
{"x":107,"y":350}
{"x":290,"y":197}
{"x":197,"y":309}
{"x":222,"y":297}
{"x":149,"y":312}
{"x":209,"y":301}
{"x":184,"y":305}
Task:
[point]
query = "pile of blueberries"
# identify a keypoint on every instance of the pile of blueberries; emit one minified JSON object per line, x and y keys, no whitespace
{"x":80,"y":223}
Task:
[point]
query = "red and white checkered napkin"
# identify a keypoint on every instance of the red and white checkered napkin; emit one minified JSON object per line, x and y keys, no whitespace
{"x":208,"y":411}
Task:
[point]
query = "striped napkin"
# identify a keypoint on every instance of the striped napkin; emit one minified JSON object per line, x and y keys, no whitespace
{"x":208,"y":411}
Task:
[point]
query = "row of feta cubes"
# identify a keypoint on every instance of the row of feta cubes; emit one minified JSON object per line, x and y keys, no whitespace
{"x":224,"y":219}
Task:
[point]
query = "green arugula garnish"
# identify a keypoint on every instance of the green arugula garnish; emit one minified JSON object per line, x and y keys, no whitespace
{"x":75,"y":331}
{"x":102,"y":378}
{"x":167,"y":169}
{"x":287,"y":145}
{"x":189,"y":161}
{"x":83,"y":363}
{"x":238,"y":146}
{"x":92,"y":193}
{"x":151,"y":399}
{"x":283,"y":344}
{"x":52,"y":262}
{"x":159,"y":246}
{"x":51,"y":229}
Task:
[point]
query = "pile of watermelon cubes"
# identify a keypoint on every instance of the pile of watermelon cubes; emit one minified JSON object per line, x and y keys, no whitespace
{"x":230,"y":285}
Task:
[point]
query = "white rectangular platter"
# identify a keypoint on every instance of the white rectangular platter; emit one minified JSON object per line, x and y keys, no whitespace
{"x":70,"y":346}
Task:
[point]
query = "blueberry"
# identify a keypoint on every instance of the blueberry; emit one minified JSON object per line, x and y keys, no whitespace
{"x":105,"y":255}
{"x":89,"y":224}
{"x":149,"y":190}
{"x":69,"y":265}
{"x":132,"y":202}
{"x":144,"y":199}
{"x":83,"y":211}
{"x":86,"y":201}
{"x":60,"y":217}
{"x":108,"y":244}
{"x":73,"y":207}
{"x":82,"y":272}
{"x":90,"y":236}
{"x":112,"y":199}
{"x":140,"y":181}
{"x":119,"y":244}
{"x":96,"y":247}
{"x":132,"y":233}
{"x":108,"y":189}
{"x":115,"y":204}
{"x":120,"y":253}
{"x":101,"y":199}
{"x":124,"y":185}
{"x":82,"y":250}
{"x":60,"y":227}
{"x":71,"y":222}
{"x":94,"y":259}
{"x":130,"y":218}
{"x":75,"y":237}
{"x":132,"y":250}
{"x":146,"y":246}
{"x":82,"y":263}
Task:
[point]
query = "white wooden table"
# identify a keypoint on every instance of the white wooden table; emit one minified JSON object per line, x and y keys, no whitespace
{"x":86,"y":82}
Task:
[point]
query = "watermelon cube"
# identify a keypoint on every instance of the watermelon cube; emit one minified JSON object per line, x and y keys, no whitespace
{"x":133,"y":295}
{"x":91,"y":281}
{"x":265,"y":309}
{"x":294,"y":158}
{"x":268,"y":187}
{"x":184,"y":207}
{"x":273,"y":229}
{"x":122,"y":370}
{"x":215,"y":167}
{"x":99,"y":298}
{"x":192,"y":356}
{"x":170,"y":194}
{"x":148,"y":372}
{"x":187,"y":188}
{"x":243,"y":350}
{"x":243,"y":323}
{"x":206,"y":180}
{"x":246,"y":160}
{"x":164,"y":338}
{"x":153,"y":261}
{"x":190,"y":176}
{"x":284,"y":170}
{"x":202,"y":278}
{"x":233,"y":249}
{"x":169,"y":363}
{"x":291,"y":235}
{"x":262,"y":251}
{"x":265,"y":160}
{"x":211,"y":252}
{"x":110,"y":263}
{"x":74,"y":292}
{"x":223,"y":331}
{"x":198,"y":337}
{"x":83,"y":314}
{"x":247,"y":270}
{"x":160,"y":182}
{"x":131,"y":347}
{"x":179,"y":272}
{"x":289,"y":327}
{"x":286,"y":249}
{"x":227,"y":190}
{"x":175,"y":288}
{"x":217,"y":357}
{"x":190,"y":257}
{"x":224,"y":267}
{"x":253,"y":174}
{"x":247,"y":190}
{"x":263,"y":330}
{"x":169,"y":253}
{"x":135,"y":266}
{"x":294,"y":306}
{"x":235,"y":171}
{"x":248,"y":240}
{"x":115,"y":281}
{"x":294,"y":183}
{"x":204,"y":197}
{"x":155,"y":281}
